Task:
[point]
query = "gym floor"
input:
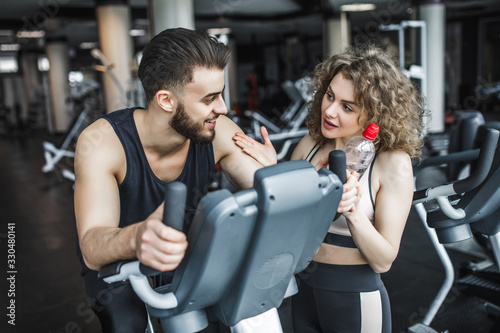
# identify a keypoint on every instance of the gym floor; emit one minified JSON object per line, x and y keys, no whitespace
{"x":48,"y":291}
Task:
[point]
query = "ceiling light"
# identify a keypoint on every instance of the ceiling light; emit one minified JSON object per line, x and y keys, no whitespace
{"x":30,"y":34}
{"x":88,"y":45}
{"x":357,"y":7}
{"x":137,"y":32}
{"x":43,"y":64}
{"x":219,"y":31}
{"x":9,"y":65}
{"x":10,"y":47}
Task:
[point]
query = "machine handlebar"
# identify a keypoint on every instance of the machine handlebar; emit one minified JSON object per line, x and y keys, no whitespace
{"x":337,"y":165}
{"x":477,"y":176}
{"x":484,"y":162}
{"x":173,"y":214}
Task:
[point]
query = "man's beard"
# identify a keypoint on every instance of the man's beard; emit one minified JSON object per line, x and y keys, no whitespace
{"x":184,"y":125}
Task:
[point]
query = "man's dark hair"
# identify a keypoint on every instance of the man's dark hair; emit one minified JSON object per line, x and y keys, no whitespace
{"x":171,"y":56}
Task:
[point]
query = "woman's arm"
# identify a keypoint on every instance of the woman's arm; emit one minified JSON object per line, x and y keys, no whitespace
{"x":393,"y":181}
{"x":266,"y":155}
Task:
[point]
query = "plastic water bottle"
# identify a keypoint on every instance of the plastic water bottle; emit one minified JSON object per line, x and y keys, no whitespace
{"x":360,"y":151}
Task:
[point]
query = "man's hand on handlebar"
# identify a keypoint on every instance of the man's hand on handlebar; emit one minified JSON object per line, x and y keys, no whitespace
{"x":159,"y":246}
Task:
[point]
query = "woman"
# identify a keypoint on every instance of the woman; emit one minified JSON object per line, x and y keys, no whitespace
{"x":341,"y":290}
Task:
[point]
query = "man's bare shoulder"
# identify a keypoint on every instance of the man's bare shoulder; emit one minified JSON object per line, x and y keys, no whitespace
{"x":99,"y":143}
{"x":223,"y":143}
{"x":238,"y":167}
{"x":226,"y":126}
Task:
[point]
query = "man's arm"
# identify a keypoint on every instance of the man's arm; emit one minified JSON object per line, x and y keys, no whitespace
{"x":98,"y":159}
{"x":238,"y":167}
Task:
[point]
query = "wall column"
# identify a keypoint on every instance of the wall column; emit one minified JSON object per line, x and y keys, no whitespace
{"x":113,"y":21}
{"x":165,"y":14}
{"x":337,"y":34}
{"x":32,"y":88}
{"x":57,"y":53}
{"x":433,"y":13}
{"x":232,"y":73}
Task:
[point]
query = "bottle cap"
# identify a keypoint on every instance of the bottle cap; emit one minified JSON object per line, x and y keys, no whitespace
{"x":370,"y":132}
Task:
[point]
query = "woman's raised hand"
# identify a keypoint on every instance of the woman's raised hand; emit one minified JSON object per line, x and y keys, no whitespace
{"x":265,"y":153}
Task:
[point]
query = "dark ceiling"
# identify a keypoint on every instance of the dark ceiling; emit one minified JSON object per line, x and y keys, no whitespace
{"x":249,"y":20}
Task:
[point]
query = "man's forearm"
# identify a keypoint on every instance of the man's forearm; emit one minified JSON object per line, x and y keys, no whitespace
{"x":104,"y":245}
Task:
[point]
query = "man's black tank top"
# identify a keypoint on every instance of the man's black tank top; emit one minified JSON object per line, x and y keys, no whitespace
{"x":141,"y":192}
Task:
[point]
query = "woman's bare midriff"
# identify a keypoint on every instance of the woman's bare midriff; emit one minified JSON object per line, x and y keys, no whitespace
{"x":337,"y":255}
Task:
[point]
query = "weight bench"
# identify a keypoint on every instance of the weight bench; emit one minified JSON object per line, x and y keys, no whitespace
{"x":243,"y":251}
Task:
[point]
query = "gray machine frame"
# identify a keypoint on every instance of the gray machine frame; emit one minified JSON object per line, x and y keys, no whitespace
{"x":259,"y":238}
{"x":455,"y":220}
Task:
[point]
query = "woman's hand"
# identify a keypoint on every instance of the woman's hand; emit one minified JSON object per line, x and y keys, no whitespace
{"x":351,"y":196}
{"x":322,"y":163}
{"x":265,"y":153}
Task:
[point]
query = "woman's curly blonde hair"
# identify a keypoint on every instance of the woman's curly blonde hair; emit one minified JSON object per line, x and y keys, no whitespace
{"x":381,"y":91}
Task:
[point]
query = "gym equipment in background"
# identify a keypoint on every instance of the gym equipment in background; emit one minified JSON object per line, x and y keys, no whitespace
{"x":289,"y":128}
{"x":87,"y":108}
{"x":475,"y":206}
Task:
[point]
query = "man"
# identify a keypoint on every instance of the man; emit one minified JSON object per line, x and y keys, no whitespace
{"x":123,"y":162}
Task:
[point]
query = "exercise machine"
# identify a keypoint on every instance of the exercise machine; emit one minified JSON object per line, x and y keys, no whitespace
{"x":474,"y":200}
{"x":290,"y":128}
{"x":107,"y":68}
{"x":414,"y":71}
{"x":483,"y":279}
{"x":88,"y":112}
{"x":244,"y":249}
{"x":460,"y":137}
{"x":297,"y":93}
